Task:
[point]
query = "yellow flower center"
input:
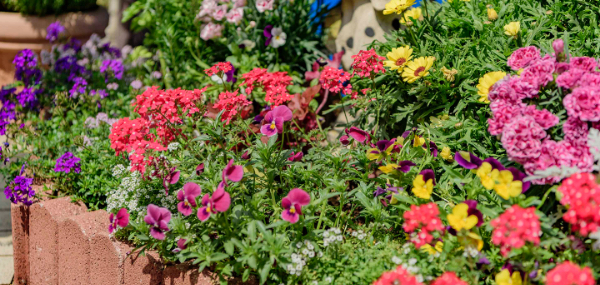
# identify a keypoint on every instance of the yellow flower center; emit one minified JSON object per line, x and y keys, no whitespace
{"x":292,"y":210}
{"x":272,"y":126}
{"x":208,"y":209}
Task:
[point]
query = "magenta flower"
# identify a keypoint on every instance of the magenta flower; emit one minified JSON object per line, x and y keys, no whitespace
{"x":558,"y":46}
{"x":200,"y":169}
{"x":187,"y":196}
{"x":232,"y":172}
{"x":292,"y":204}
{"x":274,"y":120}
{"x":219,"y":202}
{"x":180,"y":245}
{"x":171,"y":178}
{"x":296,"y":157}
{"x":120,"y":220}
{"x":344,"y":140}
{"x":158,"y":218}
{"x":358,"y":134}
{"x":268,"y":35}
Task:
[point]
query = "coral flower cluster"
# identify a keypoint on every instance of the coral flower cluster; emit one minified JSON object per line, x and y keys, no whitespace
{"x":581,"y":195}
{"x":515,"y":227}
{"x":424,"y":217}
{"x":274,"y":84}
{"x":398,"y":276}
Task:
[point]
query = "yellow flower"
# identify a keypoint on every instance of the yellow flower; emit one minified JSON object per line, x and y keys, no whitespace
{"x":460,"y":219}
{"x":486,"y":82}
{"x":446,"y":153}
{"x":487,"y":176}
{"x":387,"y":169}
{"x":471,"y":239}
{"x":504,"y":278}
{"x":449,"y":73}
{"x":492,"y":15}
{"x":414,"y":13}
{"x":398,"y":58}
{"x":421,"y":188}
{"x":506,"y":187}
{"x":512,"y":29}
{"x":418,"y":141}
{"x":397,"y":6}
{"x":374,"y":154}
{"x":417,"y":68}
{"x":433,"y":250}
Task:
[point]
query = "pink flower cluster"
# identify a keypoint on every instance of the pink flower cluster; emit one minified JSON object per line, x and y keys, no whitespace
{"x":581,"y":195}
{"x":216,"y":13}
{"x":219,"y":67}
{"x":514,"y":227}
{"x":273,"y":83}
{"x":398,"y":276}
{"x":569,"y":273}
{"x":524,"y":128}
{"x":232,"y":103}
{"x":134,"y":136}
{"x":336,"y":80}
{"x":425,"y":217}
{"x":449,"y":278}
{"x":367,"y":63}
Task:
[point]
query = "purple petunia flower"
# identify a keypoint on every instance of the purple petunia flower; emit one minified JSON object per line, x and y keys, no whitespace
{"x":158,"y":218}
{"x":274,"y":120}
{"x":7,"y":114}
{"x":26,"y":67}
{"x":68,"y":65}
{"x":27,"y":97}
{"x":20,"y":191}
{"x":68,"y":162}
{"x":79,"y":86}
{"x":54,"y":30}
{"x":6,"y":93}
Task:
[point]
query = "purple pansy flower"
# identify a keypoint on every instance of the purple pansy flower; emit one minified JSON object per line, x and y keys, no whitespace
{"x":473,"y":211}
{"x":520,"y":176}
{"x":158,"y":218}
{"x":388,"y":198}
{"x":292,"y":204}
{"x":54,"y":30}
{"x":187,"y":197}
{"x":68,"y":162}
{"x":432,"y":148}
{"x":467,"y":160}
{"x":219,"y":202}
{"x":274,"y":120}
{"x":267,"y":33}
{"x":120,"y":220}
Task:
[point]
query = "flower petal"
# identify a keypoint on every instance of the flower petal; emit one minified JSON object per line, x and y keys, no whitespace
{"x":123,"y":218}
{"x":290,"y":217}
{"x":203,"y":215}
{"x":184,"y":209}
{"x":157,"y":234}
{"x":283,"y":112}
{"x":222,"y":203}
{"x":267,"y":131}
{"x":191,"y":189}
{"x":299,"y":196}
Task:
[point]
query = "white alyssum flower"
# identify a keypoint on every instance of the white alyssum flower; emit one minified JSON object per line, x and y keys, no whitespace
{"x":279,"y":37}
{"x":173,"y":146}
{"x":596,"y":236}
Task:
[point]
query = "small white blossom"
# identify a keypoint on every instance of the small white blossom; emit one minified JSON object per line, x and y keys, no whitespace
{"x":173,"y":146}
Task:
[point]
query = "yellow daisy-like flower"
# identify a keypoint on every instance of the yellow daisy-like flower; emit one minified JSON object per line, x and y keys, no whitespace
{"x":492,"y":15}
{"x":414,"y":13}
{"x":512,"y":29}
{"x":398,"y":58}
{"x":397,"y":6}
{"x":486,"y":82}
{"x":504,"y":278}
{"x":506,"y":187}
{"x":446,"y":154}
{"x":460,"y":218}
{"x":417,"y":68}
{"x":422,"y":188}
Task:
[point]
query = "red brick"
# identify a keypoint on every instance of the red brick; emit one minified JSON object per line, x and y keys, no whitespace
{"x":187,"y":274}
{"x":106,"y":259}
{"x":43,"y":238}
{"x":74,"y":238}
{"x":20,"y":235}
{"x":141,"y":269}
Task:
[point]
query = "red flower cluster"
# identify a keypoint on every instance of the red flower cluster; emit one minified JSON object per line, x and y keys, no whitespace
{"x":514,"y":227}
{"x":367,"y":62}
{"x":231,"y":103}
{"x":425,"y":217}
{"x":581,"y":194}
{"x":273,"y":83}
{"x":134,"y":135}
{"x":398,"y":276}
{"x":336,"y":80}
{"x":449,"y":278}
{"x":219,"y":66}
{"x":568,"y":273}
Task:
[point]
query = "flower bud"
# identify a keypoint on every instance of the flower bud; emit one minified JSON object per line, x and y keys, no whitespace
{"x":252,"y":24}
{"x":558,"y":46}
{"x":492,"y":15}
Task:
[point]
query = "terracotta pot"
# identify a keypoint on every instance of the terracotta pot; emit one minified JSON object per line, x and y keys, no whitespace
{"x":29,"y":32}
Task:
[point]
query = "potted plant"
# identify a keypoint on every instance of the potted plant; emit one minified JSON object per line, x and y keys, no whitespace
{"x":24,"y":24}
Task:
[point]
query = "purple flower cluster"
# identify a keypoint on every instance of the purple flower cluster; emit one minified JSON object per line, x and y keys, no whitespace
{"x":26,"y":67}
{"x":53,"y":31}
{"x":524,"y":128}
{"x":20,"y":191}
{"x":114,"y":65}
{"x":79,"y":85}
{"x":28,"y":97}
{"x":7,"y":112}
{"x":68,"y":162}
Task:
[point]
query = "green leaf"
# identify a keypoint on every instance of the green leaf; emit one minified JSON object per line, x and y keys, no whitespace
{"x":229,"y":247}
{"x":264,"y":272}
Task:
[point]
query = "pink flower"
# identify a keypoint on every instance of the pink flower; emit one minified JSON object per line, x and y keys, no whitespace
{"x":590,"y":79}
{"x":584,"y":63}
{"x":523,"y":57}
{"x":576,"y":131}
{"x":569,"y":78}
{"x":120,"y":220}
{"x":503,"y":113}
{"x":207,"y":8}
{"x":180,"y":245}
{"x":264,"y":5}
{"x":543,"y":161}
{"x":187,"y":197}
{"x":344,"y":140}
{"x":219,"y":202}
{"x":170,"y":178}
{"x":296,"y":157}
{"x":219,"y":12}
{"x":158,"y":218}
{"x":292,"y":204}
{"x":513,"y":90}
{"x":235,"y":15}
{"x":200,"y":169}
{"x":358,"y":134}
{"x":515,"y":227}
{"x":539,"y":73}
{"x":543,"y":117}
{"x":275,"y":119}
{"x":367,"y":62}
{"x":584,"y":103}
{"x":239,"y":3}
{"x":558,"y":46}
{"x":211,"y":31}
{"x":561,"y":67}
{"x":522,"y":138}
{"x":232,"y":172}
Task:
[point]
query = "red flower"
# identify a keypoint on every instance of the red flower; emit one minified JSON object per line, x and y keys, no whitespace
{"x":514,"y":227}
{"x":581,"y":195}
{"x":367,"y":63}
{"x":273,"y":83}
{"x":568,"y":273}
{"x":425,"y":217}
{"x":449,"y":278}
{"x":231,"y":103}
{"x":218,"y":67}
{"x":336,"y":80}
{"x":134,"y":136}
{"x":398,"y":276}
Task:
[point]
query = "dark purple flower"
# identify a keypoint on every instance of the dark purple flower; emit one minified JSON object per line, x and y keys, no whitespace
{"x":274,"y":120}
{"x":473,"y":211}
{"x":258,"y":119}
{"x":383,"y":145}
{"x":115,"y":52}
{"x":171,"y":178}
{"x":467,"y":160}
{"x":187,"y":197}
{"x":296,"y":157}
{"x":494,"y":163}
{"x":68,"y":162}
{"x":27,"y":97}
{"x":267,"y":34}
{"x":114,"y":65}
{"x":428,"y":174}
{"x":79,"y":85}
{"x":20,"y":191}
{"x":380,"y":191}
{"x":158,"y":218}
{"x":230,"y":74}
{"x":73,"y":44}
{"x":53,"y":31}
{"x":68,"y":65}
{"x":6,"y":94}
{"x":7,"y":114}
{"x":344,"y":140}
{"x":484,"y":261}
{"x":26,"y":67}
{"x":432,"y":148}
{"x":120,"y":220}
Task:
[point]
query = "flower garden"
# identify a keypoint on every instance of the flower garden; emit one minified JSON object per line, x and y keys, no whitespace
{"x":461,"y":149}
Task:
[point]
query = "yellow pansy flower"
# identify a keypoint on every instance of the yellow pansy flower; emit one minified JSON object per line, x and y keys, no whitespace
{"x":504,"y":278}
{"x":471,"y":239}
{"x":422,"y":188}
{"x":460,"y":219}
{"x":417,"y":68}
{"x":486,"y":82}
{"x":397,"y":6}
{"x":512,"y":29}
{"x":398,"y":58}
{"x":414,"y":13}
{"x":374,"y":154}
{"x":487,"y":175}
{"x":418,"y":141}
{"x":439,"y":246}
{"x":446,"y":153}
{"x":506,"y":186}
{"x":387,"y":169}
